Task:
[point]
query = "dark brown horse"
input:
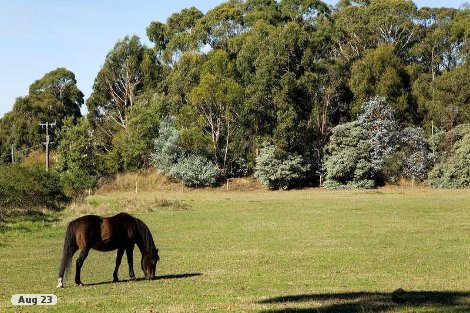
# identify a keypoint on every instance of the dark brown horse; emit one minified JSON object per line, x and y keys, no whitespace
{"x":120,"y":232}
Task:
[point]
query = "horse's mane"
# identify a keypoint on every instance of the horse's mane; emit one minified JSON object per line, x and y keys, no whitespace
{"x":147,"y":239}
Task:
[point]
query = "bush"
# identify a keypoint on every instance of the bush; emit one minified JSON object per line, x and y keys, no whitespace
{"x":378,"y":121}
{"x":280,"y":172}
{"x":195,"y":171}
{"x":76,"y":181}
{"x":454,"y":171}
{"x":349,"y":163}
{"x":167,"y":152}
{"x":29,"y":188}
{"x":416,"y":155}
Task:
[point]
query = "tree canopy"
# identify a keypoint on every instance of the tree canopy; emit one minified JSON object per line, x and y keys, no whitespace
{"x":292,"y":75}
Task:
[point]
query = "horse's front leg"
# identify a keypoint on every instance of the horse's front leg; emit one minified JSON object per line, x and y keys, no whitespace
{"x":79,"y":264}
{"x":118,"y":263}
{"x":130,"y":261}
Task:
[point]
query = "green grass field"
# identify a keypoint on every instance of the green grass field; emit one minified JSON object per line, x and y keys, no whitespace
{"x":298,"y":251}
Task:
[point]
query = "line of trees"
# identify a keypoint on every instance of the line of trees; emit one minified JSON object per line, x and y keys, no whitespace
{"x":295,"y":91}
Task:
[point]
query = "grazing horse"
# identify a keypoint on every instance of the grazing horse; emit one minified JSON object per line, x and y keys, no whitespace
{"x":120,"y":232}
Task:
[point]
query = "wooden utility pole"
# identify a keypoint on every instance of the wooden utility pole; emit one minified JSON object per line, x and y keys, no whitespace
{"x":12,"y":154}
{"x":48,"y":140}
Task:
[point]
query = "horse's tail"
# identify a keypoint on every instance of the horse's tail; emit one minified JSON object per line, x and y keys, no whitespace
{"x":70,"y":247}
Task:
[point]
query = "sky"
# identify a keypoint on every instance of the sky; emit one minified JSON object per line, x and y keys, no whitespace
{"x":37,"y":37}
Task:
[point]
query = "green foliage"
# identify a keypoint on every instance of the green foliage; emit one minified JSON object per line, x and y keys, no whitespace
{"x":136,"y":144}
{"x":175,"y":37}
{"x":216,"y":101}
{"x":453,"y":171}
{"x":261,"y":10}
{"x":381,"y":73}
{"x":278,"y":170}
{"x":219,"y":25}
{"x":417,"y":158}
{"x":130,"y":68}
{"x":287,"y":72}
{"x":77,"y":161}
{"x":451,"y":98}
{"x":349,"y":163}
{"x":29,"y":188}
{"x":377,"y":119}
{"x":52,"y":98}
{"x":373,"y":151}
{"x":193,"y":170}
{"x":167,"y":150}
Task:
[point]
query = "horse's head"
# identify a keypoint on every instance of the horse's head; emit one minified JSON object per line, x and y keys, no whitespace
{"x":149,"y":264}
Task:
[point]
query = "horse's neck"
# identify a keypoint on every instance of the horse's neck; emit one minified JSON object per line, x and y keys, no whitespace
{"x":144,"y":247}
{"x":144,"y":239}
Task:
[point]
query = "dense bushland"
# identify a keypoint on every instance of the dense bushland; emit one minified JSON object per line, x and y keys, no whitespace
{"x":296,"y":92}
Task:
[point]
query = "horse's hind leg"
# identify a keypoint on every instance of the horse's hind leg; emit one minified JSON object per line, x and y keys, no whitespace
{"x":118,"y":263}
{"x":79,"y":264}
{"x":130,"y":261}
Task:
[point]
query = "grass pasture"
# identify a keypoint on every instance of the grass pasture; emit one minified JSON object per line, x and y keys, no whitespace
{"x":297,"y":251}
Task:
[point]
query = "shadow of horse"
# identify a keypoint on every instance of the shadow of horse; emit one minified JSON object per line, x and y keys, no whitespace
{"x":373,"y":302}
{"x":158,"y":277}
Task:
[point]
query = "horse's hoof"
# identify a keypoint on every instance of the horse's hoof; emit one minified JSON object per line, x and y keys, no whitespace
{"x":80,"y":285}
{"x":60,"y":283}
{"x":116,"y":280}
{"x":60,"y":286}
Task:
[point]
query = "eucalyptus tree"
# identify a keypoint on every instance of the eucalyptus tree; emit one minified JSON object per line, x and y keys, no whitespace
{"x":378,"y":120}
{"x":255,"y":11}
{"x":176,"y":36}
{"x":381,"y":73}
{"x":362,"y":25}
{"x":220,"y":25}
{"x":450,"y":102}
{"x":129,"y":69}
{"x":443,"y":48}
{"x":290,"y":98}
{"x":348,"y":162}
{"x":415,"y":152}
{"x":303,"y":11}
{"x":214,"y":105}
{"x":452,"y":169}
{"x":178,"y":83}
{"x":57,"y":94}
{"x":442,"y":38}
{"x":51,"y":98}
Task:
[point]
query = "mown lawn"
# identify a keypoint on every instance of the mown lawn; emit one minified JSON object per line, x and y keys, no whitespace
{"x":309,"y":250}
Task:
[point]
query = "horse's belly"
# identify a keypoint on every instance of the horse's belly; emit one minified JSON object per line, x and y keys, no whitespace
{"x":105,"y":246}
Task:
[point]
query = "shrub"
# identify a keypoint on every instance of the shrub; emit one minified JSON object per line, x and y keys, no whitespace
{"x":167,"y":152}
{"x":454,"y":171}
{"x":277,"y":171}
{"x":29,"y":188}
{"x":195,"y":171}
{"x":417,"y":158}
{"x":378,"y":120}
{"x":348,"y":163}
{"x":76,"y":181}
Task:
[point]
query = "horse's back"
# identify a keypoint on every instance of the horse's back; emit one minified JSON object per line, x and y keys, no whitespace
{"x":87,"y":229}
{"x":104,"y":233}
